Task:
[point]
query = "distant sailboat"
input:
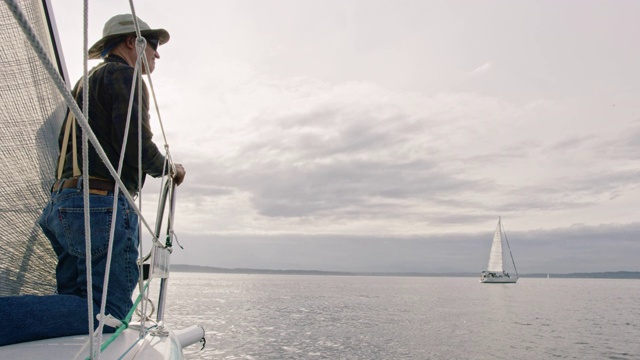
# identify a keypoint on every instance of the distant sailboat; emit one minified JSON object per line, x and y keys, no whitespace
{"x":495,"y":273}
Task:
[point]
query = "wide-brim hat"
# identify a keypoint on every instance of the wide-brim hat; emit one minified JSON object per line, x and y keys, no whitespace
{"x":120,"y":25}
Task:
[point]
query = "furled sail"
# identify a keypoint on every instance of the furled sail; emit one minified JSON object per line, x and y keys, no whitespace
{"x":31,"y":112}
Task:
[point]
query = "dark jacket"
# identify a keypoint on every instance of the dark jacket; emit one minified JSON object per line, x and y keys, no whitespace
{"x":109,"y":93}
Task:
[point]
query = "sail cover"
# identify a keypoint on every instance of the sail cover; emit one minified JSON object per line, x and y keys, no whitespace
{"x":31,"y":112}
{"x":495,"y":257}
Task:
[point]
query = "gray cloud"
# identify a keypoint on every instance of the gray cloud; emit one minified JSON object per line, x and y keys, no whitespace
{"x":348,"y":184}
{"x":358,"y":158}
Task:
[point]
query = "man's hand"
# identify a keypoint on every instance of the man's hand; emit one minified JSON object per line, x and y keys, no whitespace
{"x":179,"y":175}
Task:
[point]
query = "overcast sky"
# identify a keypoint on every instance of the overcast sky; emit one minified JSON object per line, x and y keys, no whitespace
{"x":365,"y":135}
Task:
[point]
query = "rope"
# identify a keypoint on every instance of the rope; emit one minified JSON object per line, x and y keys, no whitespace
{"x":85,"y":187}
{"x":140,"y":51}
{"x":112,"y":228}
{"x":141,"y":44}
{"x":135,"y":19}
{"x":140,"y":48}
{"x":153,"y":93}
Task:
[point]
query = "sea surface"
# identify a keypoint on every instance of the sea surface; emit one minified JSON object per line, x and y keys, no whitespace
{"x":362,"y":317}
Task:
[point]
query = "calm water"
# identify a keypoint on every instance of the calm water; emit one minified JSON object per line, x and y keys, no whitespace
{"x":336,"y":317}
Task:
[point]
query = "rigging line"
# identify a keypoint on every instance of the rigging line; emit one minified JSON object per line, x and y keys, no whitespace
{"x":116,"y":192}
{"x":141,"y":44}
{"x":140,"y":47}
{"x":164,"y":135}
{"x":153,"y":93}
{"x":140,"y":38}
{"x":137,"y":81}
{"x":137,"y":77}
{"x":508,"y":246}
{"x":155,"y":103}
{"x":135,"y":19}
{"x":85,"y":188}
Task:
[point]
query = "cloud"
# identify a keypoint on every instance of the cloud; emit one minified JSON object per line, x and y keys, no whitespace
{"x":351,"y":149}
{"x":301,"y":154}
{"x":484,"y":68}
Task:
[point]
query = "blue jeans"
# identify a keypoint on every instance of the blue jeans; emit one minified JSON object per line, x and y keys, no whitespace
{"x":30,"y":317}
{"x":62,"y":221}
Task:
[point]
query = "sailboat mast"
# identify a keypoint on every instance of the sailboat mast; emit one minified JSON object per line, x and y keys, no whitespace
{"x":509,"y":247}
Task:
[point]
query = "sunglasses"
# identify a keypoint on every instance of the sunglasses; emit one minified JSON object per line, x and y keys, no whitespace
{"x":153,"y":43}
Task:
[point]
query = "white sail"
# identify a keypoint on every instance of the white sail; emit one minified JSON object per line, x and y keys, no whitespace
{"x":495,"y":256}
{"x":32,"y":111}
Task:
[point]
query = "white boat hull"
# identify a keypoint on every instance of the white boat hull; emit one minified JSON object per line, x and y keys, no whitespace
{"x":499,"y":280}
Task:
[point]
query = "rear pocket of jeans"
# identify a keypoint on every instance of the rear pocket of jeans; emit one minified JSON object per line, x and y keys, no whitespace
{"x":100,"y":224}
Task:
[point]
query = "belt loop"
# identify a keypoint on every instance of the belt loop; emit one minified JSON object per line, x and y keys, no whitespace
{"x":79,"y":184}
{"x":62,"y":181}
{"x":58,"y":182}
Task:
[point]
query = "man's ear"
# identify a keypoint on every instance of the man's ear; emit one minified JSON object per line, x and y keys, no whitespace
{"x":131,"y":41}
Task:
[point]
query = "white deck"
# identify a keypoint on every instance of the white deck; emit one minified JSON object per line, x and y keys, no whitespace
{"x":126,"y":346}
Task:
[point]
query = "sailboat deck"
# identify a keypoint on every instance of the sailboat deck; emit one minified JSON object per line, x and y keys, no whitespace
{"x":126,"y":346}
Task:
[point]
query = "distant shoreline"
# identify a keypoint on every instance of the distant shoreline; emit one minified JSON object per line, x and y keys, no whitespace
{"x":210,"y":269}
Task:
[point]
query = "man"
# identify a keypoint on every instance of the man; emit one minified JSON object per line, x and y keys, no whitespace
{"x":62,"y":220}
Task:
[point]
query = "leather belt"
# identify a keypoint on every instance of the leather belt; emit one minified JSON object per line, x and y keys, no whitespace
{"x":94,"y":184}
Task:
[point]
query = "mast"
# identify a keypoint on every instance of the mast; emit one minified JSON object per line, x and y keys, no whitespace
{"x":55,"y":39}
